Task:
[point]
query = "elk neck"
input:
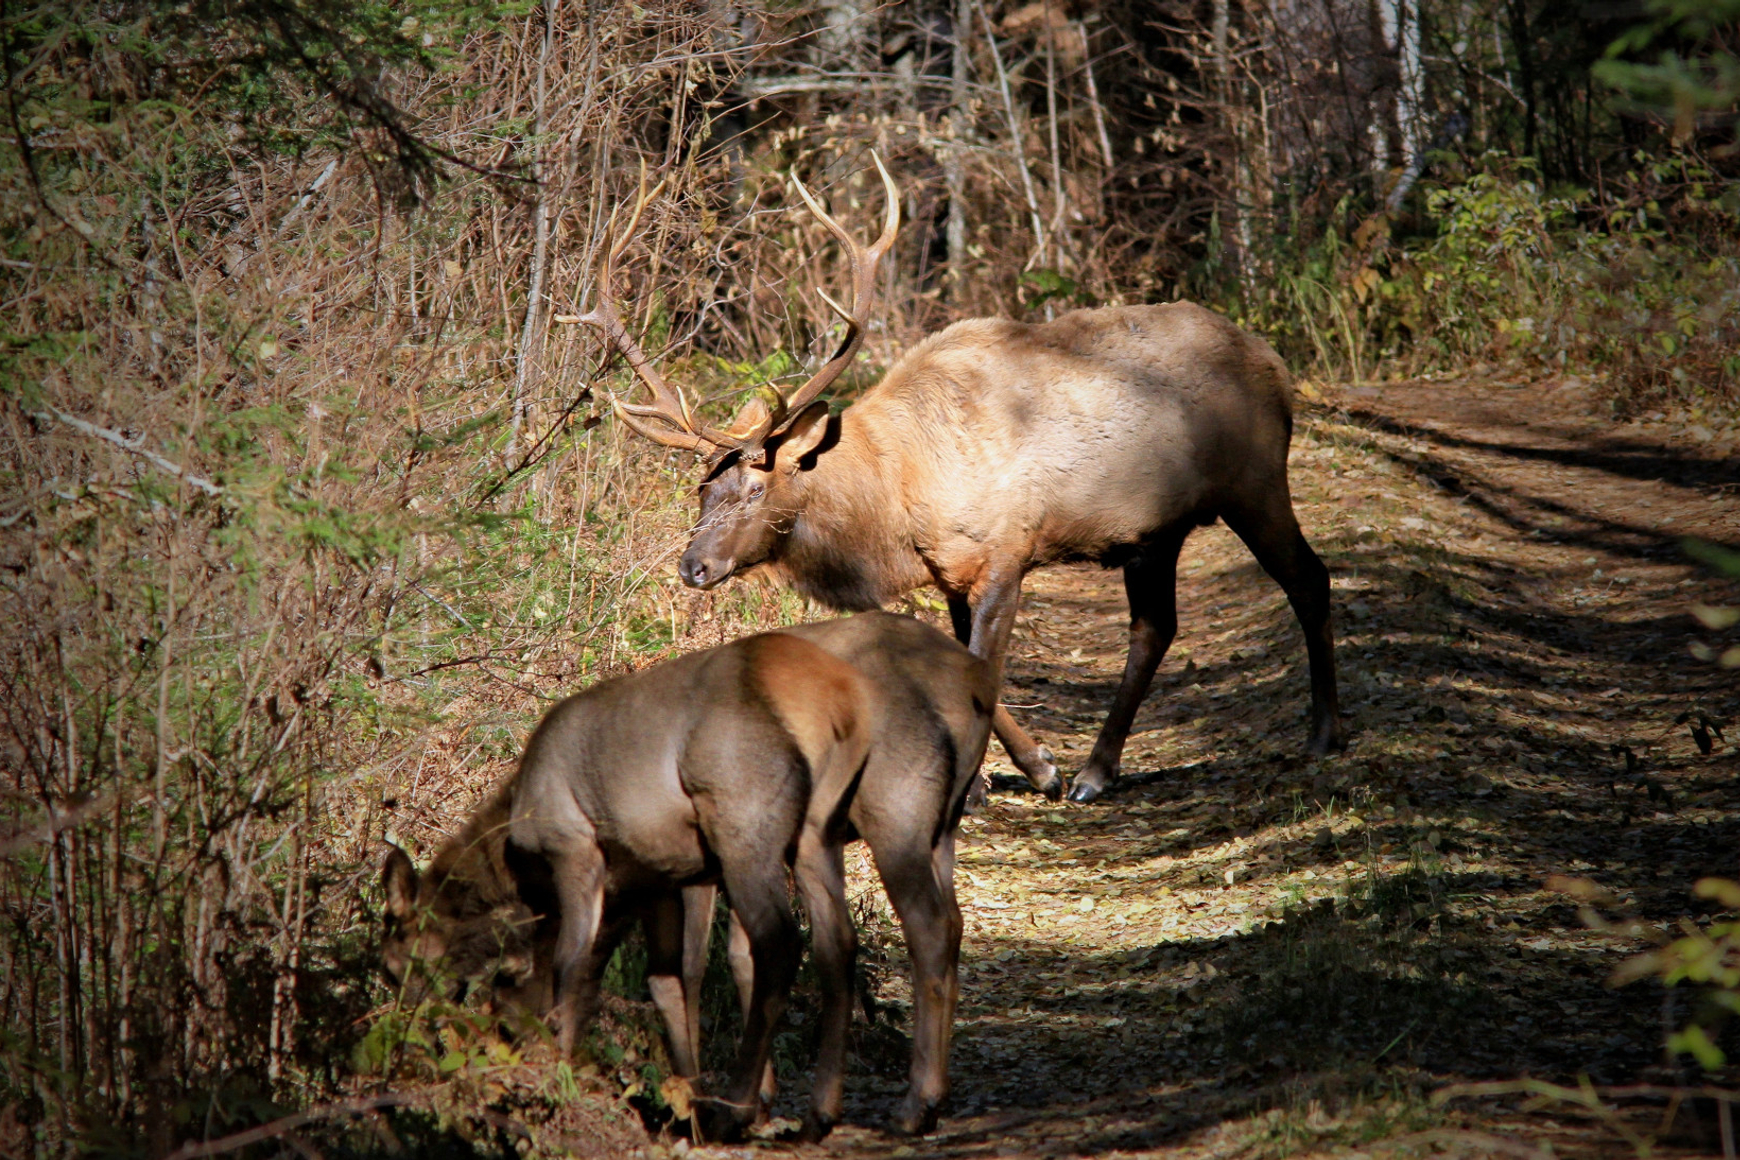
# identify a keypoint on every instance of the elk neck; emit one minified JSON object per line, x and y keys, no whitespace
{"x":851,"y":546}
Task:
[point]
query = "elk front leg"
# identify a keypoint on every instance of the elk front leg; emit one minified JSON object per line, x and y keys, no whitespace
{"x":678,"y":926}
{"x":821,"y":883}
{"x":580,"y":953}
{"x":1151,"y":584}
{"x":976,"y":628}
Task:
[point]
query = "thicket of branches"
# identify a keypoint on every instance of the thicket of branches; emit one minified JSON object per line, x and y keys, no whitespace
{"x":308,"y":508}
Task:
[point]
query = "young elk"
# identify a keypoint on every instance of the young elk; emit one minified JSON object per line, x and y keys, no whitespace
{"x":993,"y":448}
{"x":635,"y":798}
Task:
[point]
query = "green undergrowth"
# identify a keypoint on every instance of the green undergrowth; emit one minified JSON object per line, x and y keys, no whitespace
{"x":1636,"y":284}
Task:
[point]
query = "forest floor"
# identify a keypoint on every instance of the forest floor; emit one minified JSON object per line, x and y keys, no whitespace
{"x":1242,"y":952}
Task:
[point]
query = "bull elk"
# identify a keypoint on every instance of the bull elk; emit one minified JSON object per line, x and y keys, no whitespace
{"x":994,"y":448}
{"x":637,"y":797}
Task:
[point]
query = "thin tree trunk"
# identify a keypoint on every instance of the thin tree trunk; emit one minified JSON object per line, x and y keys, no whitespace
{"x":1018,"y":142}
{"x":1058,"y":201}
{"x":1093,"y":92}
{"x":1233,"y":230}
{"x":1410,"y":101}
{"x":1525,"y":63}
{"x":954,"y":160}
{"x":531,"y":332}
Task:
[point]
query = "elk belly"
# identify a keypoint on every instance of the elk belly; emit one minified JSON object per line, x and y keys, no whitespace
{"x":655,"y":837}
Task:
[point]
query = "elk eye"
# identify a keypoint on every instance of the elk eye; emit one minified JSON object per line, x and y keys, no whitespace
{"x":755,"y":490}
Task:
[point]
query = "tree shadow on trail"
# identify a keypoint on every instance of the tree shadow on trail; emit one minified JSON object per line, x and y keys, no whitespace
{"x":1140,"y":1046}
{"x":1550,"y":518}
{"x":1629,"y":458}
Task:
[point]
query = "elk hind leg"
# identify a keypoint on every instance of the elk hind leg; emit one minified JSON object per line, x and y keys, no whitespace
{"x":920,"y":883}
{"x":743,"y":975}
{"x":759,"y":902}
{"x":1151,"y":584}
{"x":821,"y":880}
{"x":1271,"y":531}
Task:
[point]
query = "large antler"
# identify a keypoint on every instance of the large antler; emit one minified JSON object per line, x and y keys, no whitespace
{"x":863,"y":260}
{"x":667,"y":419}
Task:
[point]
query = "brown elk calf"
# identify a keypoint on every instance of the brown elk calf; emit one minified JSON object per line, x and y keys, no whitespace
{"x":993,"y":448}
{"x":634,"y":798}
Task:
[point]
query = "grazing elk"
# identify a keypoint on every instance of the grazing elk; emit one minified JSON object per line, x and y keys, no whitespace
{"x":993,"y":448}
{"x":464,"y":921}
{"x":636,"y":797}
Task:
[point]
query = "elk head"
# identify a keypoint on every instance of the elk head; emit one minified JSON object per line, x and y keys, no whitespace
{"x":750,"y":495}
{"x":444,"y":932}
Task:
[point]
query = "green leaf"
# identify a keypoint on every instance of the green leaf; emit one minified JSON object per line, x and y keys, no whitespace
{"x":1723,"y":560}
{"x":1722,"y":890}
{"x":1694,"y":1042}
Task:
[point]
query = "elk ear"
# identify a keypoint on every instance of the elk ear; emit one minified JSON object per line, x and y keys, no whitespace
{"x":399,"y":881}
{"x":804,"y":434}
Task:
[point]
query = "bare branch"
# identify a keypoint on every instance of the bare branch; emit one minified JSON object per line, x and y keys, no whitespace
{"x":133,"y":446}
{"x":285,"y":1124}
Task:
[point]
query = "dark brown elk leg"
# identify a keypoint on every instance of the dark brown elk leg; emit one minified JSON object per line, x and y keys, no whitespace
{"x":698,"y":907}
{"x":758,"y":897}
{"x":670,"y":958}
{"x":1151,"y":583}
{"x":579,"y":881}
{"x":920,"y":883}
{"x":1035,"y":761}
{"x":743,"y":975}
{"x":821,"y":883}
{"x":1272,"y":533}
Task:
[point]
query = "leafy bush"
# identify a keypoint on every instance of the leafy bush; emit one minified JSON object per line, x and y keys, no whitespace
{"x":1639,"y":287}
{"x":1707,"y":957}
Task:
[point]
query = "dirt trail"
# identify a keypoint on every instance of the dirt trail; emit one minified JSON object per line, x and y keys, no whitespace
{"x":1239,"y":951}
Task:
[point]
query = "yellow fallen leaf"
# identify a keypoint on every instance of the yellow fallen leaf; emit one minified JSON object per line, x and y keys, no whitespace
{"x":679,"y":1095}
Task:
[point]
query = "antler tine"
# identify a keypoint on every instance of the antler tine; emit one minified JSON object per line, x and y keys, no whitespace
{"x":863,"y":260}
{"x":667,"y":419}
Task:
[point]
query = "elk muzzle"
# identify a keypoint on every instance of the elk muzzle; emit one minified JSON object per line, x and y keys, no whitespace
{"x":703,"y":570}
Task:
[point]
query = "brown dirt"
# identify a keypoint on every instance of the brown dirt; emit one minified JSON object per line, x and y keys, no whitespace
{"x":1242,"y":952}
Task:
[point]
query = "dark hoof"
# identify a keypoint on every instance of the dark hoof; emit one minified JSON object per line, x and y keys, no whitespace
{"x":913,"y":1120}
{"x":1047,"y":780}
{"x":717,"y":1122}
{"x":1327,"y":741}
{"x":1091,"y":782}
{"x":978,"y":794}
{"x":815,"y":1129}
{"x":1084,"y":791}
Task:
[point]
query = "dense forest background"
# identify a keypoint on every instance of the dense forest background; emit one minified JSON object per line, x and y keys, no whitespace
{"x":310,"y":504}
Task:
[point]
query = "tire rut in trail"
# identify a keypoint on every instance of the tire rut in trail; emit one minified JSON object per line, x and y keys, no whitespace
{"x":1235,"y":928}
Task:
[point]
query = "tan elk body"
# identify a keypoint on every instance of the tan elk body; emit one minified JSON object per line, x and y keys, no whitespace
{"x":636,"y":799}
{"x":997,"y":447}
